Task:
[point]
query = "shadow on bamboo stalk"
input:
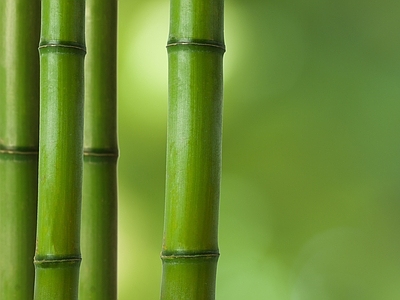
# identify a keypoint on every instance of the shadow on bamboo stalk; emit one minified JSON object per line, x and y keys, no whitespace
{"x":19,"y":124}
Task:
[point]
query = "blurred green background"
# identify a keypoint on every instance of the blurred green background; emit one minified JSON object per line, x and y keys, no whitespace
{"x":311,"y":149}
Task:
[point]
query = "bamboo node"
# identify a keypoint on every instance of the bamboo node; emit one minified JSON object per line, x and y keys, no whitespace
{"x":206,"y":255}
{"x":62,"y":44}
{"x":18,"y":152}
{"x":99,"y":154}
{"x":55,"y":261}
{"x":199,"y":43}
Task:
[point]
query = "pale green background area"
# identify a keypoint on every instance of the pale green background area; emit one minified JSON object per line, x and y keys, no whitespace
{"x":310,"y":197}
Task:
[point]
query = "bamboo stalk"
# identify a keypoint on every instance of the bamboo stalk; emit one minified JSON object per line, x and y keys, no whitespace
{"x":62,"y":51}
{"x":19,"y":124}
{"x":190,"y":246}
{"x":98,"y":278}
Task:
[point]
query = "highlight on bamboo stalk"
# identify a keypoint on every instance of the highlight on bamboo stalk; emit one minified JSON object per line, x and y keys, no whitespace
{"x":98,"y":276}
{"x":190,"y":245}
{"x":19,"y":126}
{"x":62,"y":51}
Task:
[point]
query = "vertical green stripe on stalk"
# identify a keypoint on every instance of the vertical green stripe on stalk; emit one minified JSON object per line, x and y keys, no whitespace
{"x":190,"y":246}
{"x":62,"y":51}
{"x":19,"y":114}
{"x":98,"y":277}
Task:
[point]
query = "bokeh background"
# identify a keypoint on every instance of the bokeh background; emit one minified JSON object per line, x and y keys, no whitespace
{"x":310,"y":196}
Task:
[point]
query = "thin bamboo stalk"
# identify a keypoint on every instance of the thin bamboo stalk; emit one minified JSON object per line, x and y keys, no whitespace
{"x":98,"y":277}
{"x":19,"y":125}
{"x":62,"y":51}
{"x":190,"y":246}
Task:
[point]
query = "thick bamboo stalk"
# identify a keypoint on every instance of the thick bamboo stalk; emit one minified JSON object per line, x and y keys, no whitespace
{"x":62,"y":51}
{"x":195,"y":52}
{"x":19,"y":125}
{"x":98,"y":278}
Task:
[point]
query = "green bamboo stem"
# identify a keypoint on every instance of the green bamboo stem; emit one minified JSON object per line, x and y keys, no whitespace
{"x":98,"y":278}
{"x":62,"y":51}
{"x":190,"y":246}
{"x":19,"y":124}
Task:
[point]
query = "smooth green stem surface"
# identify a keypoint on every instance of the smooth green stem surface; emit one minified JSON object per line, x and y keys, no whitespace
{"x":98,"y":277}
{"x":18,"y":194}
{"x":62,"y":51}
{"x":190,"y":245}
{"x":19,"y":125}
{"x":100,"y":78}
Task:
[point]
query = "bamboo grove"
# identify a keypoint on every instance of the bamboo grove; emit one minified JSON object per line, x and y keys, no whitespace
{"x":59,"y":151}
